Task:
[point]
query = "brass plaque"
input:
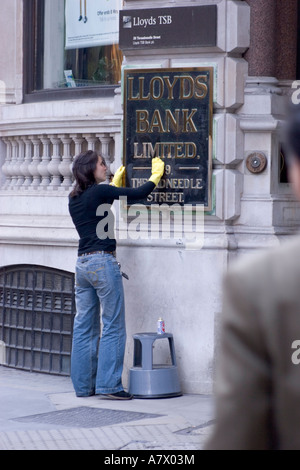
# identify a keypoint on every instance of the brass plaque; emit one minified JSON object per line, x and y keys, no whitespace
{"x":168,"y":114}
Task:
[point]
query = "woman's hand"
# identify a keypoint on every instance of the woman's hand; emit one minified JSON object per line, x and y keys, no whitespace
{"x":118,"y":178}
{"x":158,"y":168}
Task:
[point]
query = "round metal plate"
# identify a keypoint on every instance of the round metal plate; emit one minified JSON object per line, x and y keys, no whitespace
{"x":256,"y":162}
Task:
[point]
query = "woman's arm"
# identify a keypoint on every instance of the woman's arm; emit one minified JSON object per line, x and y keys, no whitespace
{"x":134,"y":194}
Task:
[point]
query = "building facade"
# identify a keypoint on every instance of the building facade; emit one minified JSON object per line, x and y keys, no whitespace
{"x":44,"y":123}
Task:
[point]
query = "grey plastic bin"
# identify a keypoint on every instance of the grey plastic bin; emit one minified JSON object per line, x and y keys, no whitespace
{"x":148,"y":380}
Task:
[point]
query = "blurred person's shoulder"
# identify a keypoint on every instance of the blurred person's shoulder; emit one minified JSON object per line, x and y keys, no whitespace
{"x":278,"y":264}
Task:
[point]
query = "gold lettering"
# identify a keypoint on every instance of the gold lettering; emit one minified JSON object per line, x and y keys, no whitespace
{"x":171,"y":197}
{"x":151,"y":152}
{"x":135,"y":151}
{"x":142,"y":123}
{"x":162,"y":184}
{"x":130,"y":91}
{"x":193,"y":147}
{"x":160,"y":82}
{"x":178,"y":183}
{"x":156,"y":122}
{"x":188,"y":88}
{"x":168,"y":154}
{"x":187,"y":120}
{"x":186,"y":85}
{"x":179,"y":122}
{"x":165,"y":197}
{"x":178,"y":148}
{"x":196,"y":184}
{"x":170,"y":87}
{"x":202,"y":87}
{"x":166,"y":150}
{"x":174,"y":121}
{"x":142,"y":97}
{"x":137,"y":182}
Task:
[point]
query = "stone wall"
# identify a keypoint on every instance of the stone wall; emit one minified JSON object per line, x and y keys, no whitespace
{"x":167,"y":277}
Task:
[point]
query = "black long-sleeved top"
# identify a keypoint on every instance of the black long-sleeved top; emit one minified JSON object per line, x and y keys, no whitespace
{"x":96,"y":232}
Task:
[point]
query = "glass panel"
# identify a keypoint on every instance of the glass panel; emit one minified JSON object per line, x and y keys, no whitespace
{"x":91,"y":66}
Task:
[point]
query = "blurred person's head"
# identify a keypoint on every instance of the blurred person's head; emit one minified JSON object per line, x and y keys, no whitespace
{"x":293,"y":148}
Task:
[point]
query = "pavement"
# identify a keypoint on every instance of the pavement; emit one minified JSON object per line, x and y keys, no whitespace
{"x":41,"y":412}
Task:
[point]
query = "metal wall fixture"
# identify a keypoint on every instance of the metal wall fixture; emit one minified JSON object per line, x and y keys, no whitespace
{"x":256,"y":162}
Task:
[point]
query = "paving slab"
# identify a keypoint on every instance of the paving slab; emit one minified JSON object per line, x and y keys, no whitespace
{"x":41,"y":412}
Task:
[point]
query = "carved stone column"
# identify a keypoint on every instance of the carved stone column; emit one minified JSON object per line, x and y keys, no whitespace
{"x":20,"y":161}
{"x":273,"y":39}
{"x":92,"y":141}
{"x":286,"y":39}
{"x":43,"y":166}
{"x":14,"y":170}
{"x":33,"y":167}
{"x":78,"y":141}
{"x":25,"y":165}
{"x":6,"y":167}
{"x":105,"y":140}
{"x":261,"y":53}
{"x":54,"y":163}
{"x":64,"y":166}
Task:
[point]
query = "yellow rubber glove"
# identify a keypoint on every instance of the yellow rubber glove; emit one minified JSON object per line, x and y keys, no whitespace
{"x":158,"y":168}
{"x":118,"y":178}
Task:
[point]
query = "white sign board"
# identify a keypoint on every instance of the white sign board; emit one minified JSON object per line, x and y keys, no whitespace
{"x":91,"y":23}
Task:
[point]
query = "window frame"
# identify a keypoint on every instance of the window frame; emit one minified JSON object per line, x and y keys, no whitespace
{"x":298,"y":42}
{"x":32,"y":55}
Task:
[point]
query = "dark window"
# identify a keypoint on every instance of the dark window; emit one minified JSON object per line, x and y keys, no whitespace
{"x":283,"y":170}
{"x":96,"y":70}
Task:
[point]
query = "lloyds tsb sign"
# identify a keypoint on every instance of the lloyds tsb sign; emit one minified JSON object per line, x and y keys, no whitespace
{"x":168,"y":114}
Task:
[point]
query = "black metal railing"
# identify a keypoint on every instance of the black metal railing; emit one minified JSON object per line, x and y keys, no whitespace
{"x":37,"y":309}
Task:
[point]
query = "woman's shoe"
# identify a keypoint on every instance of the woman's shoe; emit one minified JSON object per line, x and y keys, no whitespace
{"x":118,"y":395}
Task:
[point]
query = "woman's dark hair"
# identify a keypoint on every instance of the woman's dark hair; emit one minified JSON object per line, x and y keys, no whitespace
{"x":83,"y":170}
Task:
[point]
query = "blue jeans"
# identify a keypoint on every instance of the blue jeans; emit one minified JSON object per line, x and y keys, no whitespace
{"x":97,"y":367}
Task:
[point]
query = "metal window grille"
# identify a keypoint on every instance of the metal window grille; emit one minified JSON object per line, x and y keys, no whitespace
{"x":37,"y":309}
